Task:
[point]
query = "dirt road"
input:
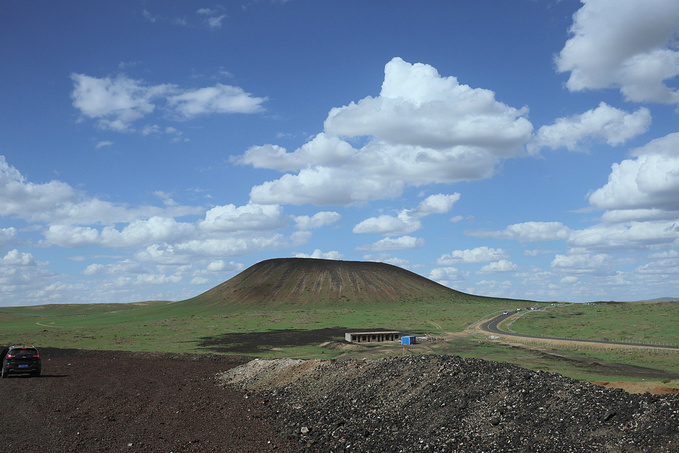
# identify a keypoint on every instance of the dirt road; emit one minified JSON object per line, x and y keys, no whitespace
{"x":491,"y":325}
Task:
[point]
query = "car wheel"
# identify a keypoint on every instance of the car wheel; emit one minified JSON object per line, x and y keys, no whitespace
{"x":36,"y":373}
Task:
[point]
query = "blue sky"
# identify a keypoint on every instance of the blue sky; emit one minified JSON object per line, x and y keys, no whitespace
{"x":152,"y":150}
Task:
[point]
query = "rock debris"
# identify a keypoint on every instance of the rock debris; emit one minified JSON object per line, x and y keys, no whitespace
{"x":450,"y":404}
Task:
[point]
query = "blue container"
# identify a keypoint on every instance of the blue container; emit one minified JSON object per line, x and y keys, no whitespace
{"x":408,"y":340}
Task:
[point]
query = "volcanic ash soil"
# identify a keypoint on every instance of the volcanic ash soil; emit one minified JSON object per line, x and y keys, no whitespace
{"x":451,"y":404}
{"x":146,"y":402}
{"x":105,"y":401}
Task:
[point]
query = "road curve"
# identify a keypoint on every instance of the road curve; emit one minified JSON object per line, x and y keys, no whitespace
{"x":492,"y":326}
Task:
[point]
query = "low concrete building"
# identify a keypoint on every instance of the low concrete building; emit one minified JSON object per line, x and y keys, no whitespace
{"x":371,"y":337}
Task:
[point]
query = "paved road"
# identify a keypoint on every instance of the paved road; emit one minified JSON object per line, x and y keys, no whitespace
{"x":492,"y":326}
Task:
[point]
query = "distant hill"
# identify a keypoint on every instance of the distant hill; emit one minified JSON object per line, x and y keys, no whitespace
{"x":658,"y":300}
{"x":305,"y":281}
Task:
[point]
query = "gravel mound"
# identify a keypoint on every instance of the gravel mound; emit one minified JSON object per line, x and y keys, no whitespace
{"x":451,"y":404}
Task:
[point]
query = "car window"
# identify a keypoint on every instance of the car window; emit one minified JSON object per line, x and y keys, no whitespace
{"x":23,"y":353}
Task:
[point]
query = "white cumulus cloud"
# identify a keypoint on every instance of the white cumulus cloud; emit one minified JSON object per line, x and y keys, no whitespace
{"x":304,"y":222}
{"x":216,"y":21}
{"x":388,"y":225}
{"x":626,"y":236}
{"x":422,"y":129}
{"x":56,"y":202}
{"x":499,"y":266}
{"x":28,"y":200}
{"x":248,"y":217}
{"x":435,"y":204}
{"x":418,"y":107}
{"x":117,"y":102}
{"x":137,"y":233}
{"x":476,"y":255}
{"x":223,"y":266}
{"x":319,"y":254}
{"x":217,"y":99}
{"x":660,"y":267}
{"x":640,"y":200}
{"x":390,"y":244}
{"x":448,"y":276}
{"x":322,"y":150}
{"x":103,"y":144}
{"x":408,"y":220}
{"x":326,"y":186}
{"x":17,"y":258}
{"x":119,"y":268}
{"x":238,"y":245}
{"x":625,"y":44}
{"x":607,"y":123}
{"x":584,"y":263}
{"x":648,"y":181}
{"x":246,"y":226}
{"x":22,"y":279}
{"x":528,"y":232}
{"x":7,"y":235}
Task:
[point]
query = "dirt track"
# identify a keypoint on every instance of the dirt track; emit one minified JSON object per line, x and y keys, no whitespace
{"x":103,"y":401}
{"x":492,"y":326}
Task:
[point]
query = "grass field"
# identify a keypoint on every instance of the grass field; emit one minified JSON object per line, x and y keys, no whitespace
{"x":304,"y":331}
{"x":639,"y":322}
{"x":183,"y":327}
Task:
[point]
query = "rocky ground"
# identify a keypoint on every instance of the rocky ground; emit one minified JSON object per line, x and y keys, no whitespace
{"x":139,"y":402}
{"x":450,"y":404}
{"x":90,"y":401}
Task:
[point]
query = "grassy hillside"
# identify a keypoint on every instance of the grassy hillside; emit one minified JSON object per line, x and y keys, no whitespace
{"x":301,"y":308}
{"x":312,"y":282}
{"x":282,"y":294}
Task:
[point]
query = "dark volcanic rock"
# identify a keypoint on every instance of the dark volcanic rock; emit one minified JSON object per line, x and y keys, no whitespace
{"x":450,"y":404}
{"x":105,"y":401}
{"x":332,"y":282}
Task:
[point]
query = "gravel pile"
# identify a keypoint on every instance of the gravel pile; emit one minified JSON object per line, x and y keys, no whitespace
{"x":451,"y":404}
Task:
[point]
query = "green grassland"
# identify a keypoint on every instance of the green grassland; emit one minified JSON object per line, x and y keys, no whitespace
{"x":184,"y":326}
{"x":309,"y":330}
{"x":638,"y":322}
{"x":653,"y":323}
